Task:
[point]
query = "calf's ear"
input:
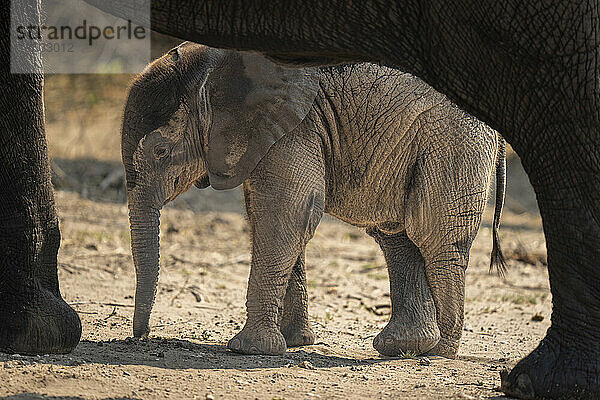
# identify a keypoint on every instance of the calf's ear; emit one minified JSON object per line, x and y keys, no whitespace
{"x":254,"y":102}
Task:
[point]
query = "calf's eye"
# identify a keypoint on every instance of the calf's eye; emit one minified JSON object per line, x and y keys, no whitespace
{"x":160,"y":152}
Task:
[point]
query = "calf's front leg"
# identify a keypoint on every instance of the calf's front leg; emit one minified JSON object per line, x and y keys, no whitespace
{"x":284,"y":203}
{"x":295,"y":325}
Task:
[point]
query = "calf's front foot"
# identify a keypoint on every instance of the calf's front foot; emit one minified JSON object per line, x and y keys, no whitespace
{"x":295,"y":325}
{"x":446,"y":347}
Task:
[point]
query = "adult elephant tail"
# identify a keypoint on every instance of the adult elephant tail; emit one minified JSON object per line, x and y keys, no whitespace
{"x":497,"y":260}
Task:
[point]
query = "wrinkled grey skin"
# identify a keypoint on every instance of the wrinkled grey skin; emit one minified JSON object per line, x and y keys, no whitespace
{"x":372,"y":146}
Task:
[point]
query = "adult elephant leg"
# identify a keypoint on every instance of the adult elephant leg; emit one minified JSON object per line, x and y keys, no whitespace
{"x":284,"y":201}
{"x":295,"y":325}
{"x":413,"y":325}
{"x":34,"y":319}
{"x":566,"y":364}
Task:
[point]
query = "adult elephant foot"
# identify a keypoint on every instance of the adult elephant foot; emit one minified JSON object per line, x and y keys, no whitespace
{"x":253,"y":339}
{"x":556,"y":369}
{"x":41,"y":324}
{"x":399,"y":338}
{"x":34,"y":318}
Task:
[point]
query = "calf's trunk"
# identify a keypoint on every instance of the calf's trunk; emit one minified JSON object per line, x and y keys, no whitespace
{"x":145,"y":228}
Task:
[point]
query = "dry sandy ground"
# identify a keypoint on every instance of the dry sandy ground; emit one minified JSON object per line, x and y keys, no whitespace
{"x":200,"y":305}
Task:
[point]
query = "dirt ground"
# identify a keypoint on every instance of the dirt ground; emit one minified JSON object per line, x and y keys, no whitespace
{"x":200,"y":301}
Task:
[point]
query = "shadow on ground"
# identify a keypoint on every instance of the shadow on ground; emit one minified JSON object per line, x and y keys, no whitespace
{"x":183,"y":354}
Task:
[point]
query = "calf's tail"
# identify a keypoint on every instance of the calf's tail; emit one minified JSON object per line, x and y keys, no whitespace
{"x":497,"y":260}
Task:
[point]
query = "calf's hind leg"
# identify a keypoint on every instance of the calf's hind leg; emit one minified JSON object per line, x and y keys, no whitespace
{"x":413,"y":325}
{"x":444,"y":237}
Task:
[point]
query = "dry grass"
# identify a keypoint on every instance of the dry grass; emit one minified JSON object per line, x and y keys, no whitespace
{"x":83,"y":115}
{"x":83,"y":112}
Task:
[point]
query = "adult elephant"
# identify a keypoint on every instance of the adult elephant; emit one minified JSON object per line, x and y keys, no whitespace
{"x":529,"y":69}
{"x":34,"y":319}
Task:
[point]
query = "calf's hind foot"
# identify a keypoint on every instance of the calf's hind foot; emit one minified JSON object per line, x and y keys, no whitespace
{"x":413,"y":327}
{"x":400,"y":338}
{"x":298,"y":336}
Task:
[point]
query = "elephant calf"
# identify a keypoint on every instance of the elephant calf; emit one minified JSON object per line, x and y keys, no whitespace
{"x":373,"y":146}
